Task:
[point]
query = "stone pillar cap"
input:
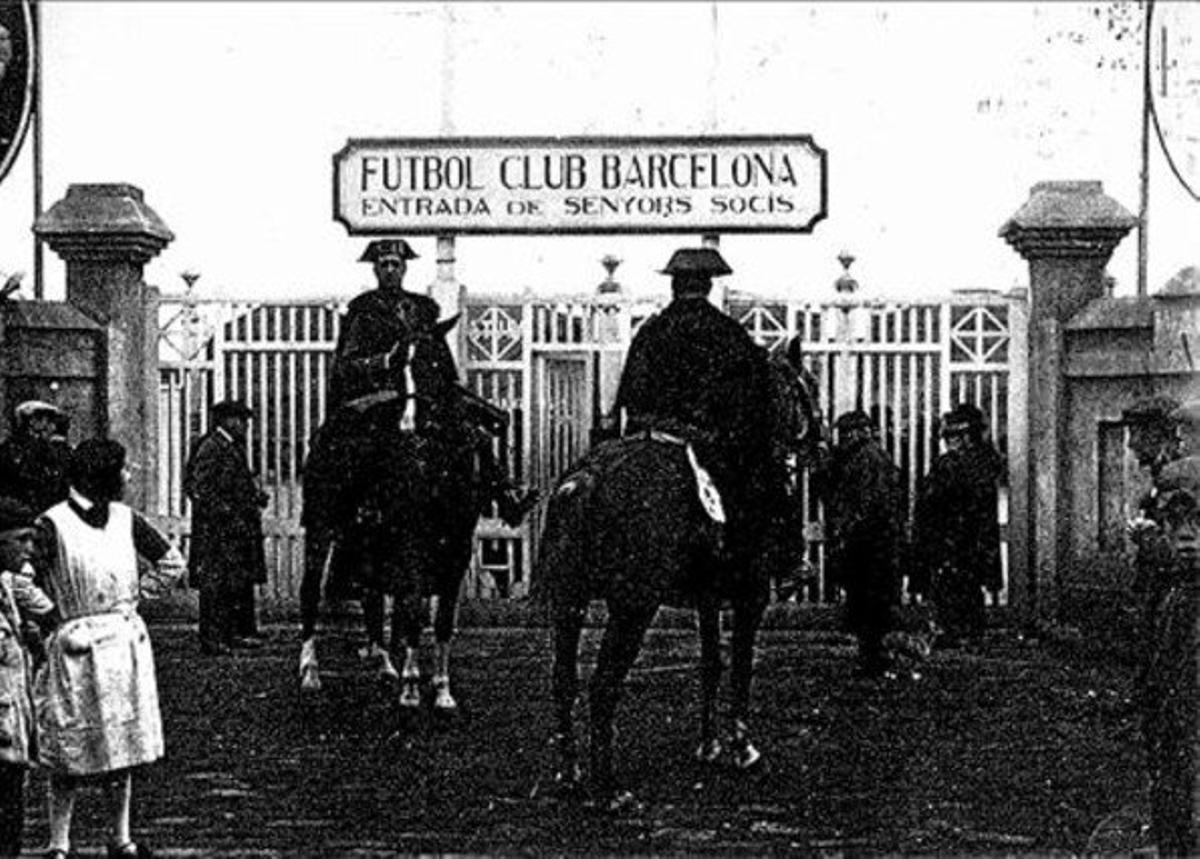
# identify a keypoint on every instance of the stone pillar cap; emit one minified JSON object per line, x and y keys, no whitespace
{"x":1071,"y":219}
{"x":110,"y":219}
{"x":1079,"y":204}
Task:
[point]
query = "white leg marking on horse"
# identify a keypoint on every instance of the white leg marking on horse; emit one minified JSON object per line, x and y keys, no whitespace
{"x":410,"y":691}
{"x":310,"y":677}
{"x":443,"y":699}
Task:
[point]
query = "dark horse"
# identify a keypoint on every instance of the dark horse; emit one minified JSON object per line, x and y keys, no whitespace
{"x":391,"y":501}
{"x":625,"y":526}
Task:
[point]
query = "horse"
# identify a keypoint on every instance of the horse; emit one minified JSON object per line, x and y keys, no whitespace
{"x":391,"y":499}
{"x":624,"y":525}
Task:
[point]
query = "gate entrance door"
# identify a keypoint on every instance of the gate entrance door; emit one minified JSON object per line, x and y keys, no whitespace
{"x":563,"y":412}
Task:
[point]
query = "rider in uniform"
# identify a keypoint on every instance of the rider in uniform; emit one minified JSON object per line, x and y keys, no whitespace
{"x":694,"y":372}
{"x":376,"y":326}
{"x":368,"y":382}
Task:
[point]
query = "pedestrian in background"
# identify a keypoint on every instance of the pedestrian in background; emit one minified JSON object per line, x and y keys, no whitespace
{"x":20,"y":601}
{"x":34,"y":460}
{"x":226,"y":555}
{"x":96,"y":696}
{"x":864,"y":518}
{"x":956,"y":528}
{"x":1172,"y":719}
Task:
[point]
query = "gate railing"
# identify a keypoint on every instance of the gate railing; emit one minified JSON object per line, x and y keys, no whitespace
{"x":553,"y":365}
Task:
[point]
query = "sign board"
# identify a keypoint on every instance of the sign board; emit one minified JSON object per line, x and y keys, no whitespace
{"x":506,"y":185}
{"x":16,"y":78}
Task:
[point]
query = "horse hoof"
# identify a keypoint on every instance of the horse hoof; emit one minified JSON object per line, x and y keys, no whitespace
{"x":310,"y":680}
{"x":410,"y":696}
{"x":443,"y":701}
{"x":748,"y":757}
{"x":622,"y":802}
{"x":710,"y":752}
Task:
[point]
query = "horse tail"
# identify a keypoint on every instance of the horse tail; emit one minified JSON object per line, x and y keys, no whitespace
{"x":561,"y":575}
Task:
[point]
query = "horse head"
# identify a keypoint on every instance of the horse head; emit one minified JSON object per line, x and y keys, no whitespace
{"x":428,"y":365}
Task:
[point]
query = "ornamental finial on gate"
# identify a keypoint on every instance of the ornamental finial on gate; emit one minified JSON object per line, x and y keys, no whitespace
{"x":845,"y":284}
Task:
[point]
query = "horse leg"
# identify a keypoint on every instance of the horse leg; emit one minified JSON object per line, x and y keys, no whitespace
{"x":568,"y":625}
{"x":443,"y":633}
{"x":409,"y":616}
{"x":747,"y":616}
{"x":709,"y":614}
{"x":618,"y":650}
{"x":376,"y":652}
{"x":317,"y":545}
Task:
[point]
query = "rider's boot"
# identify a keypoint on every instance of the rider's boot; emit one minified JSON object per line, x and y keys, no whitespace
{"x":310,"y":677}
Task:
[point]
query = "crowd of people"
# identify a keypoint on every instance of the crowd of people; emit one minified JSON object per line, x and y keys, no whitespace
{"x":75,"y":657}
{"x":77,"y":677}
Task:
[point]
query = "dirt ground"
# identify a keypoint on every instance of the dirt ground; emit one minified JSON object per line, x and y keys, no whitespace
{"x":1010,"y":749}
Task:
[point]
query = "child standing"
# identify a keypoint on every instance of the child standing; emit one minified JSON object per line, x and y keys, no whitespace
{"x":19,"y":598}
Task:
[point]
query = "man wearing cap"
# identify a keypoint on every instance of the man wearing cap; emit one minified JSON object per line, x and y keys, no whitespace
{"x":694,"y":372}
{"x":864,"y":519}
{"x":226,"y":555}
{"x":957,"y":527}
{"x":33,"y":462}
{"x":20,"y":600}
{"x":1172,"y":717}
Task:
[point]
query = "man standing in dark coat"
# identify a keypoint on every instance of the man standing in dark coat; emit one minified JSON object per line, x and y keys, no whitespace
{"x":695,"y":372}
{"x":864,"y":521}
{"x":226,"y":555}
{"x":33,"y":462}
{"x":957,"y":527}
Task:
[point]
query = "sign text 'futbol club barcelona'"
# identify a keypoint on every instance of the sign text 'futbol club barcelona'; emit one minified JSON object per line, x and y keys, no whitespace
{"x":580,"y":185}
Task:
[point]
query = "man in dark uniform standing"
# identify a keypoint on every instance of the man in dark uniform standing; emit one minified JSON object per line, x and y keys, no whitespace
{"x":226,"y":556}
{"x":957,"y":527}
{"x":864,"y":518}
{"x":693,"y":371}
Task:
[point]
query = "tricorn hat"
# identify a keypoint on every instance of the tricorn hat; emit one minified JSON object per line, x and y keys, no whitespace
{"x":702,"y":261}
{"x":380,"y":248}
{"x":14,"y":516}
{"x":1150,"y":410}
{"x":231,"y":409}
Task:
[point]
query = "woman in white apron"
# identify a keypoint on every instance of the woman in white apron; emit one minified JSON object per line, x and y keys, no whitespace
{"x":96,"y":697}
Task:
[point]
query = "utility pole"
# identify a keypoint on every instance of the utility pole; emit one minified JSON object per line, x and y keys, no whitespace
{"x":1144,"y":196}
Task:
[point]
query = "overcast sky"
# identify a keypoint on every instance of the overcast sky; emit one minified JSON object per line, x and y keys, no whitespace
{"x":937,"y":118}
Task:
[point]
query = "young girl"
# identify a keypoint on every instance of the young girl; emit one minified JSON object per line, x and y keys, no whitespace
{"x":96,"y":696}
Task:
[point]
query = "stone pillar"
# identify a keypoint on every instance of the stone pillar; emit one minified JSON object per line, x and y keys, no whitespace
{"x":1067,"y":232}
{"x":106,"y":234}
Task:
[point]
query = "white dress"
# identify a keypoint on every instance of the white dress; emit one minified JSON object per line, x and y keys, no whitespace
{"x":96,"y":698}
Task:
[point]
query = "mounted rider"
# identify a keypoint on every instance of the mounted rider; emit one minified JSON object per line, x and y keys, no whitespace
{"x":368,"y":375}
{"x":694,"y":373}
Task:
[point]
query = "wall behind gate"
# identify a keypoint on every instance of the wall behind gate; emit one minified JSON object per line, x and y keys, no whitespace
{"x":553,"y":365}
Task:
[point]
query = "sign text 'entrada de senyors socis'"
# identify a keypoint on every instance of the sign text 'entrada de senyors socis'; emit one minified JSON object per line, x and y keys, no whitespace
{"x":580,"y":185}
